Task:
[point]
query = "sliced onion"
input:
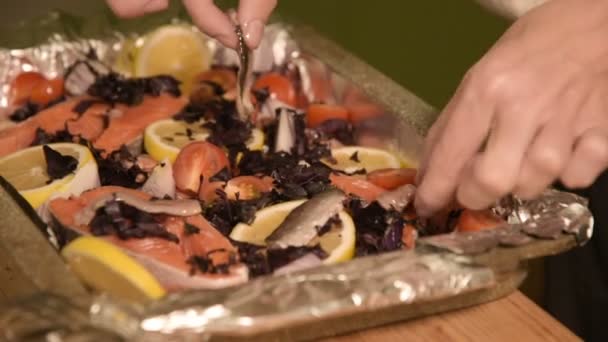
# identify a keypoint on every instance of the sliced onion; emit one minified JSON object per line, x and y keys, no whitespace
{"x":286,"y":132}
{"x":161,"y":183}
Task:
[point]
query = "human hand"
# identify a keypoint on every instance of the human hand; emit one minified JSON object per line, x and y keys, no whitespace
{"x":534,"y":109}
{"x":252,"y":16}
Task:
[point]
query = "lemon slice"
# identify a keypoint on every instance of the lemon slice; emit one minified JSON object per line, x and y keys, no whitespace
{"x":26,"y":171}
{"x":339,"y":242}
{"x":105,"y":268}
{"x":163,"y":139}
{"x":177,"y":50}
{"x":353,"y":158}
{"x":265,"y":222}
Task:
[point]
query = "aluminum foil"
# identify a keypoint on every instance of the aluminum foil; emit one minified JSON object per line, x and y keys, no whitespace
{"x":440,"y":267}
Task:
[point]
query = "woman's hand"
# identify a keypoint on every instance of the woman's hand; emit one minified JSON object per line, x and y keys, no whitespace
{"x":252,"y":16}
{"x":534,"y":109}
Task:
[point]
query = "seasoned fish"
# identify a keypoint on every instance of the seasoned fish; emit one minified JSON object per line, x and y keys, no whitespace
{"x":167,"y":260}
{"x":301,"y":225}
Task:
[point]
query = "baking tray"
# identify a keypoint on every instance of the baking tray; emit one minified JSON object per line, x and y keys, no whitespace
{"x":38,"y":289}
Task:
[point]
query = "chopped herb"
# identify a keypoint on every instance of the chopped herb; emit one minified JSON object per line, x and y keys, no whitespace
{"x":24,"y":112}
{"x":222,"y":176}
{"x":84,"y":105}
{"x":189,"y":134}
{"x":324,"y":229}
{"x":114,"y":88}
{"x":127,"y":222}
{"x":205,"y":264}
{"x":119,"y":168}
{"x":378,"y":230}
{"x":338,"y":129}
{"x":190,"y":229}
{"x":58,"y":165}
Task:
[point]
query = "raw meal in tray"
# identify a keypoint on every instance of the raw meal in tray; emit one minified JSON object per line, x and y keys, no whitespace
{"x":151,"y":181}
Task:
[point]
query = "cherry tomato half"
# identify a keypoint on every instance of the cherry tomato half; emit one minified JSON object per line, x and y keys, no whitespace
{"x":47,"y":91}
{"x":391,"y":179}
{"x":475,"y":220}
{"x":318,"y":113}
{"x":22,"y":85}
{"x":408,"y":236}
{"x":356,"y":186}
{"x":279,"y":86}
{"x":248,"y":187}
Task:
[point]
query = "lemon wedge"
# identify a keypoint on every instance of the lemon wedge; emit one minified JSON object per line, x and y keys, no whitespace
{"x":265,"y":222}
{"x":177,"y":50}
{"x":163,"y":139}
{"x":353,"y":158}
{"x":106,"y":268}
{"x":338,"y":243}
{"x":26,"y":170}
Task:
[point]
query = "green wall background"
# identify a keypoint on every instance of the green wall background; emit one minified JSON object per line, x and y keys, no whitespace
{"x":425,"y":45}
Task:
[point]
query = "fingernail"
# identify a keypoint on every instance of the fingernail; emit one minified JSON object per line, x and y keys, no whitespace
{"x":155,"y":6}
{"x":254,"y":30}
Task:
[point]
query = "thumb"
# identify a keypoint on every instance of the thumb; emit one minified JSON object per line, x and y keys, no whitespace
{"x":252,"y":15}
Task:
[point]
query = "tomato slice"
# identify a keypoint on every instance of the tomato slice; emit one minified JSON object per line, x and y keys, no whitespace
{"x":22,"y":85}
{"x":208,"y":191}
{"x":408,"y":236}
{"x":226,"y":78}
{"x":278,"y":86}
{"x":391,"y":179}
{"x":248,"y":187}
{"x":199,"y":158}
{"x":356,"y":186}
{"x":47,"y":91}
{"x":475,"y":220}
{"x":318,"y":113}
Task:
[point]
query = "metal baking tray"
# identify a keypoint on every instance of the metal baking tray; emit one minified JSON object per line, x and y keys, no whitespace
{"x":443,"y":273}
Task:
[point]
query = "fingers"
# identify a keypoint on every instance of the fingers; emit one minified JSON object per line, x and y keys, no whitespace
{"x":211,"y":20}
{"x":252,"y":16}
{"x":495,"y":172}
{"x":466,"y":127}
{"x":551,"y":150}
{"x":135,"y":8}
{"x":589,"y":160}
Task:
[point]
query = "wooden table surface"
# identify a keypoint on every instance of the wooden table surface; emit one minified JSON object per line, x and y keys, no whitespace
{"x":513,"y":318}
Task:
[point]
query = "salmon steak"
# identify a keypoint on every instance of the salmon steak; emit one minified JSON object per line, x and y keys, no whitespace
{"x":173,"y":253}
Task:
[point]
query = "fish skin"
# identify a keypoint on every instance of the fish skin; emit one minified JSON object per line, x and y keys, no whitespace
{"x":300,"y":226}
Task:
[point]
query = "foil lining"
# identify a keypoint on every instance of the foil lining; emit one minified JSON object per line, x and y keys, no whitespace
{"x":440,"y":267}
{"x":550,"y":217}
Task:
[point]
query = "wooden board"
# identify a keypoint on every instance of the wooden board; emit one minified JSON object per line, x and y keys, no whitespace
{"x":507,"y":319}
